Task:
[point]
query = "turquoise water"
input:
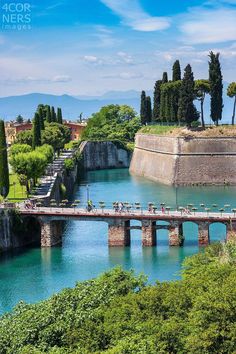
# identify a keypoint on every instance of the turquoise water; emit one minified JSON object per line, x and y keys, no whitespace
{"x":35,"y":274}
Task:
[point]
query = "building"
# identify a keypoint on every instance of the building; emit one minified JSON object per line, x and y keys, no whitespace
{"x":76,"y":129}
{"x":13,"y":128}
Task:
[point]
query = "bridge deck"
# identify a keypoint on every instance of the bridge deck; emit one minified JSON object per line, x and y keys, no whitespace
{"x":79,"y":213}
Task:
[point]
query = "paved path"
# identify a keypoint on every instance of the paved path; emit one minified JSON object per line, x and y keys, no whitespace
{"x":77,"y":213}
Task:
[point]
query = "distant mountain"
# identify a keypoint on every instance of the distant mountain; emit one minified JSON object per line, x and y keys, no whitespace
{"x":11,"y":107}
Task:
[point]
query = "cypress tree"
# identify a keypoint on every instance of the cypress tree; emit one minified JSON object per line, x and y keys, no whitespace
{"x":36,"y":131}
{"x":187,"y":111}
{"x":162,"y":105}
{"x":216,"y":87}
{"x":41,"y":118}
{"x":148,"y":109}
{"x":157,"y":101}
{"x":48,"y":115}
{"x":4,"y":171}
{"x":59,"y":116}
{"x":165,"y":77}
{"x":143,"y":108}
{"x":176,"y":76}
{"x":53,"y":115}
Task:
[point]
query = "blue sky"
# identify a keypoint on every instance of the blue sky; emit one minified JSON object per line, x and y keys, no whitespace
{"x":93,"y":46}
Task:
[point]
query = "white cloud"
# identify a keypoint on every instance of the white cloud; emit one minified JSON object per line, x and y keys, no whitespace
{"x":90,"y":59}
{"x":135,"y":17}
{"x":61,"y":78}
{"x":126,"y":58}
{"x":209,"y":26}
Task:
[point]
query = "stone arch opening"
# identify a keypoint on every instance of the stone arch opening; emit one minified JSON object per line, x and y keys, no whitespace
{"x":163,"y":232}
{"x":217,"y":231}
{"x":30,"y":233}
{"x":190,"y":232}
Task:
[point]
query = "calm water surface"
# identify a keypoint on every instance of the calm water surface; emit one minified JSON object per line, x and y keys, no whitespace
{"x":35,"y":274}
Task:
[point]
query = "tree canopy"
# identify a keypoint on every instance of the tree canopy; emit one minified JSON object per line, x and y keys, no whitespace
{"x":119,"y":313}
{"x":114,"y":123}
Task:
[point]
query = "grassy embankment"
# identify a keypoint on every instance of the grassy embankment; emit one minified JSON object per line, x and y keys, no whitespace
{"x":16,"y":190}
{"x":213,"y":131}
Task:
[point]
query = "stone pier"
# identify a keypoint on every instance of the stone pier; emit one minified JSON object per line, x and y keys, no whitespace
{"x":118,"y":233}
{"x":51,"y":233}
{"x":176,"y":234}
{"x":149,"y":233}
{"x":203,"y":233}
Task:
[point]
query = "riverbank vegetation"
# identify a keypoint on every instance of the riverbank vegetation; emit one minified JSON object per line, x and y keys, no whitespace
{"x":120,"y":313}
{"x":116,"y":123}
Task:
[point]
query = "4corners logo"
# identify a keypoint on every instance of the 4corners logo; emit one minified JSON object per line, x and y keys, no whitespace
{"x":18,"y":13}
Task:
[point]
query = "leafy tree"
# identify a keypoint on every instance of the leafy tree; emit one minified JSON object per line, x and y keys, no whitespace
{"x":148,"y":109}
{"x":157,"y":101}
{"x":19,"y":119}
{"x":18,"y":148}
{"x":165,"y":77}
{"x":169,"y":101}
{"x":53,"y":115}
{"x":143,"y":108}
{"x":187,"y":111}
{"x":176,"y":76}
{"x":24,"y":137}
{"x":47,"y":151}
{"x":56,"y":135}
{"x":202,"y":87}
{"x":231,"y":92}
{"x":216,"y":87}
{"x":31,"y":165}
{"x":59,"y":116}
{"x":112,"y":123}
{"x":4,"y":171}
{"x":118,"y":313}
{"x":48,"y":114}
{"x":36,"y":131}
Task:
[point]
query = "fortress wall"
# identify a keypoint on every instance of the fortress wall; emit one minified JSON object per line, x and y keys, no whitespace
{"x":183,"y":161}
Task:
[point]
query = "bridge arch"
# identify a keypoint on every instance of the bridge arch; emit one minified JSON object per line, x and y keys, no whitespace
{"x":190,"y":232}
{"x":30,"y":232}
{"x":218,"y":231}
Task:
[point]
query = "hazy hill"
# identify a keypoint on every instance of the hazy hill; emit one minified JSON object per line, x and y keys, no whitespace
{"x":25,"y":105}
{"x":71,"y":106}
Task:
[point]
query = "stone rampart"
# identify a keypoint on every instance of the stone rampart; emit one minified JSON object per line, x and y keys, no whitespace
{"x":185,"y":161}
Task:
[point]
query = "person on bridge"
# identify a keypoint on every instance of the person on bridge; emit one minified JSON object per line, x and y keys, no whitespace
{"x":90,"y":205}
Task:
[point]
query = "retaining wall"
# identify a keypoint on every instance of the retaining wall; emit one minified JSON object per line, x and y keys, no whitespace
{"x":185,"y":161}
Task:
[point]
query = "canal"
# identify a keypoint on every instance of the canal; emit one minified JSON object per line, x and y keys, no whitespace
{"x":35,"y":274}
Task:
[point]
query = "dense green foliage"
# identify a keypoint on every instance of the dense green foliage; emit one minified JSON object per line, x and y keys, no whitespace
{"x":28,"y":164}
{"x":112,"y":123}
{"x":24,"y":137}
{"x":143,"y":108}
{"x":157,"y":101}
{"x":4,"y":172}
{"x":187,"y":111}
{"x":176,"y":71}
{"x":216,"y":87}
{"x":165,"y":78}
{"x":117,"y":313}
{"x":54,"y":134}
{"x":36,"y":131}
{"x":231,"y":92}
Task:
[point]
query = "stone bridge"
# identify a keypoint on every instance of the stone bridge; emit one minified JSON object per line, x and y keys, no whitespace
{"x":51,"y":222}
